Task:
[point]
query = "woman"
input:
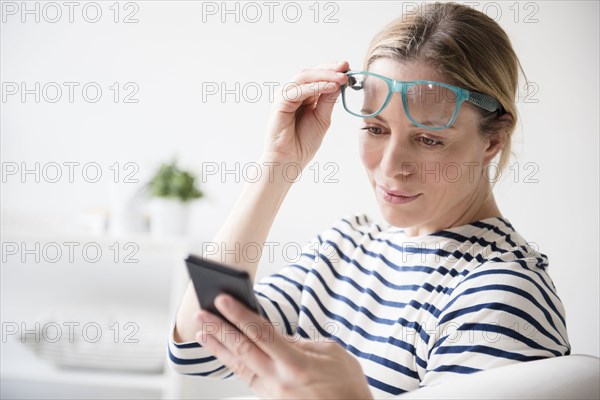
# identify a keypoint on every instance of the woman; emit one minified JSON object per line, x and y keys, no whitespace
{"x":447,"y":287}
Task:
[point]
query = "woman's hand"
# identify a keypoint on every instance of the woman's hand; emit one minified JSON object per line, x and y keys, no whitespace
{"x":278,"y":366}
{"x":301,"y":113}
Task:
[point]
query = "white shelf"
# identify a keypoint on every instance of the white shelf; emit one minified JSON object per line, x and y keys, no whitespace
{"x":21,"y":364}
{"x":142,"y":239}
{"x":97,"y":288}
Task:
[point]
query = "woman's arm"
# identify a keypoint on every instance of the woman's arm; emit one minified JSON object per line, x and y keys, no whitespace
{"x":300,"y":117}
{"x":249,"y":222}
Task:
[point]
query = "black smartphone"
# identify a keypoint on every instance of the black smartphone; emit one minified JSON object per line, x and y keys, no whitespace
{"x":211,"y":278}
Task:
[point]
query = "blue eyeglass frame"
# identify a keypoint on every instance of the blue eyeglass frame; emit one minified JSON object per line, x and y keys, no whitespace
{"x":482,"y":100}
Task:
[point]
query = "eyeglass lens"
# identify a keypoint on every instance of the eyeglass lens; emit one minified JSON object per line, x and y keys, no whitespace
{"x":428,"y":104}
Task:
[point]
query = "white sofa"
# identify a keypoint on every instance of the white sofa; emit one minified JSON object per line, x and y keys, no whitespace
{"x":568,"y":377}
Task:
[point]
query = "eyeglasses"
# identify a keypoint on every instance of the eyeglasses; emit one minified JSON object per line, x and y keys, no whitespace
{"x":428,"y":104}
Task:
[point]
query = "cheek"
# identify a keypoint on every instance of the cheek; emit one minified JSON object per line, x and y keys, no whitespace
{"x":461,"y":173}
{"x":369,"y":155}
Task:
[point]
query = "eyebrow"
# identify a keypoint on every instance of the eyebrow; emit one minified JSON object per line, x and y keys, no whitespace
{"x":380,"y":118}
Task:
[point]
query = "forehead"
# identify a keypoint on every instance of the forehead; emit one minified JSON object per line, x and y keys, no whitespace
{"x":405,"y":71}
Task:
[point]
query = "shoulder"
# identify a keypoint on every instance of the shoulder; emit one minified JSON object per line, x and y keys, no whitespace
{"x":352,"y":229}
{"x":510,"y":285}
{"x":505,"y":261}
{"x":516,"y":283}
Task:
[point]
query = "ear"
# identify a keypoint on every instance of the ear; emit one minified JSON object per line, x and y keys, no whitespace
{"x":495,"y":141}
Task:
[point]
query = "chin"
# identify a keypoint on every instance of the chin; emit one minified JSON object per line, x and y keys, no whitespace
{"x":400,"y":218}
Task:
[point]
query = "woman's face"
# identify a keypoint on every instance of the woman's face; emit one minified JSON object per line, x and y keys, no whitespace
{"x":439,"y":173}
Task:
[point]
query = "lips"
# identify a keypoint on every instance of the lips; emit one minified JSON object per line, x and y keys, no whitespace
{"x":399,"y":193}
{"x":394,"y":196}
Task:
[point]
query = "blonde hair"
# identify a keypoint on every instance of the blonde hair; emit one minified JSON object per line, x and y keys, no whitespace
{"x":465,"y":46}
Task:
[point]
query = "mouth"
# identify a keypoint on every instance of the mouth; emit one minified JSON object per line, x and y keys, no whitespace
{"x":396,"y":196}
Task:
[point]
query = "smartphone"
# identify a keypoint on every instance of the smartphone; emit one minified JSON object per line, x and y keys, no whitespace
{"x":211,"y":278}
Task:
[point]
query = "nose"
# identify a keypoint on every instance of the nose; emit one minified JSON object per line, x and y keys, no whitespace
{"x":397,"y":162}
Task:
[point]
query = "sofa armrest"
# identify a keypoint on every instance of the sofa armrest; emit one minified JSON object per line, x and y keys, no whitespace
{"x":567,"y":377}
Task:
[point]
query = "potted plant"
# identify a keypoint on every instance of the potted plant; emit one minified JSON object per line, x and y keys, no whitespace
{"x":172,"y":190}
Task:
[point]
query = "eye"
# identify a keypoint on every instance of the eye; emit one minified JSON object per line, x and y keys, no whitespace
{"x":429,"y":142}
{"x":373,"y":130}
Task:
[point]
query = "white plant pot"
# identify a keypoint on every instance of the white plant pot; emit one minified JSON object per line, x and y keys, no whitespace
{"x":168,"y":217}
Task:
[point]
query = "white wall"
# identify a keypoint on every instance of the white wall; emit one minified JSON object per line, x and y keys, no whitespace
{"x":170,"y":53}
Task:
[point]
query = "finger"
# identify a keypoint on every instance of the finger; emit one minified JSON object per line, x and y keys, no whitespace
{"x":236,"y":343}
{"x":314,"y":75}
{"x":271,"y":342}
{"x":296,"y":95}
{"x":227,"y":358}
{"x":320,"y":91}
{"x":324,"y":347}
{"x":326,"y":102}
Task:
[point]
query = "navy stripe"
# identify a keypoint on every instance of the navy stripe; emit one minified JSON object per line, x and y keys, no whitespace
{"x":288,"y":328}
{"x":412,"y":268}
{"x":302,"y":332}
{"x":473,"y":240}
{"x":459,"y":369}
{"x":384,"y":386}
{"x":502,"y":307}
{"x":301,"y":267}
{"x":403,"y":249}
{"x":369,"y":356}
{"x":355,"y":328}
{"x":506,"y":288}
{"x":484,"y":243}
{"x":520,"y":275}
{"x":191,"y":345}
{"x":415,"y":304}
{"x":205,"y":373}
{"x":419,"y":268}
{"x":496,"y":230}
{"x":392,"y":340}
{"x":381,"y":278}
{"x":523,"y":264}
{"x":186,"y":361}
{"x":283,"y":293}
{"x":541,"y":263}
{"x":285,"y":278}
{"x":505,"y":222}
{"x":363,"y":310}
{"x":503,"y":288}
{"x":506,"y":332}
{"x":351,"y":225}
{"x":492,"y":351}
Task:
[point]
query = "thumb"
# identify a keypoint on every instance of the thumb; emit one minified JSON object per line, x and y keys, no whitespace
{"x":316,"y":346}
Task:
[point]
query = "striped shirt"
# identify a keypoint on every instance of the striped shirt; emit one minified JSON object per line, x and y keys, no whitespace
{"x":414,"y":311}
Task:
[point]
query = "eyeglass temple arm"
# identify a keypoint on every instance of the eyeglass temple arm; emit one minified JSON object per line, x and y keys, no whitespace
{"x":484,"y":101}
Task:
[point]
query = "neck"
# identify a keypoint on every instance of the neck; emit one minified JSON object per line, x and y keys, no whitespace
{"x":481,"y":206}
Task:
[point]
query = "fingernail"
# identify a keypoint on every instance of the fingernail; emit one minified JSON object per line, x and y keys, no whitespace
{"x":340,"y":74}
{"x":223,"y":301}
